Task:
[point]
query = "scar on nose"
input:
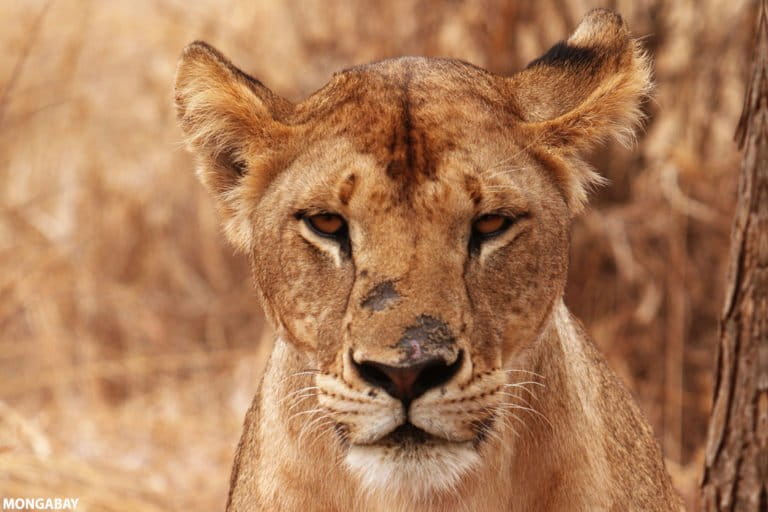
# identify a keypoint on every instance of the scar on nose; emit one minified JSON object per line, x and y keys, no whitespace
{"x":428,"y":335}
{"x":381,"y":296}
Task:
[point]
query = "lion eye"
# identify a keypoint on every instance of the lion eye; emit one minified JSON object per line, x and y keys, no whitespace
{"x":326,"y":224}
{"x":490,"y":225}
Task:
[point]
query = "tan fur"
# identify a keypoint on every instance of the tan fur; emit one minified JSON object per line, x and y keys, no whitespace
{"x":410,"y":151}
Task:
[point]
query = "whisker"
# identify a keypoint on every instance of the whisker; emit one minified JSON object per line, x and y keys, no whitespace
{"x":296,"y":392}
{"x":312,"y":427}
{"x":494,"y":433}
{"x":300,"y":400}
{"x":519,"y":386}
{"x":507,"y":414}
{"x":517,"y":397}
{"x":511,"y":370}
{"x":526,"y":382}
{"x":301,"y":413}
{"x":508,"y":405}
{"x":309,"y":371}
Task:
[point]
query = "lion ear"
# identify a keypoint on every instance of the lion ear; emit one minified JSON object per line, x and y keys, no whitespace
{"x":581,"y":92}
{"x":232,"y":123}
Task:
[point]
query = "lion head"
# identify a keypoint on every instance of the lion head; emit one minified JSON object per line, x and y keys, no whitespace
{"x":408,"y":228}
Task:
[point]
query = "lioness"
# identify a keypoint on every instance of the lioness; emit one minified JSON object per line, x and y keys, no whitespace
{"x":408,"y":228}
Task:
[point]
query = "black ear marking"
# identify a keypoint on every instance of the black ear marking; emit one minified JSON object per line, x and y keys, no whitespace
{"x":564,"y":55}
{"x":239,"y":167}
{"x":230,"y":161}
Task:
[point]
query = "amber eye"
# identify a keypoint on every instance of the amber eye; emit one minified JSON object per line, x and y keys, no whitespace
{"x":326,"y":224}
{"x":490,"y":225}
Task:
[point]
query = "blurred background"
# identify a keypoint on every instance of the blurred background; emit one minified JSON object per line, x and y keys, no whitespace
{"x":131,"y":341}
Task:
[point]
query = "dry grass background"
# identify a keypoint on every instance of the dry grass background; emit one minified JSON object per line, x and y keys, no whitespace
{"x":130,"y":339}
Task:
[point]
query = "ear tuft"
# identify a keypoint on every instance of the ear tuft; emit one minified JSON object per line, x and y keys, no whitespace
{"x":218,"y":106}
{"x":581,"y":92}
{"x":232,"y":123}
{"x":600,"y":27}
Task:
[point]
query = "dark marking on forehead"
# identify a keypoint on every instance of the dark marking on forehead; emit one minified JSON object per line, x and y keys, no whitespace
{"x":401,"y":146}
{"x":381,"y":296}
{"x":347,"y":189}
{"x":407,"y":113}
{"x":412,"y":158}
{"x":473,"y":188}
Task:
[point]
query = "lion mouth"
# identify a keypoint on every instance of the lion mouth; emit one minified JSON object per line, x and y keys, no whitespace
{"x":408,"y":434}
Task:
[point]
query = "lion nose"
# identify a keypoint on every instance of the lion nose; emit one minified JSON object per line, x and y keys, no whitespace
{"x":407,"y":383}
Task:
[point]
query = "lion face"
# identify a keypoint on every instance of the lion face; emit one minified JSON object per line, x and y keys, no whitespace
{"x":408,"y":230}
{"x":417,"y":290}
{"x":427,"y":258}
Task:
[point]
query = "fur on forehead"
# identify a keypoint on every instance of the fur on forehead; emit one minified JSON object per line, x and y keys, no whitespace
{"x":409,"y":111}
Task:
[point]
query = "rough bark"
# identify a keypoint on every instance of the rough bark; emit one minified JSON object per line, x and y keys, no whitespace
{"x":736,"y":464}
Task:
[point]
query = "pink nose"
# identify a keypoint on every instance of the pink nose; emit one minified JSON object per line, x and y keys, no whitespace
{"x":407,"y":383}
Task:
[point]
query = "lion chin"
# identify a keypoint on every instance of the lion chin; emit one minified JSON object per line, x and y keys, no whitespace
{"x":411,"y":464}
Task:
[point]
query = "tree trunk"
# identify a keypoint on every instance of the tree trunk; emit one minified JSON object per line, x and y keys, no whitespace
{"x":736,"y":465}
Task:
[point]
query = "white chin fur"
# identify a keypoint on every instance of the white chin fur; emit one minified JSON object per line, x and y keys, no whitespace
{"x":413,"y":473}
